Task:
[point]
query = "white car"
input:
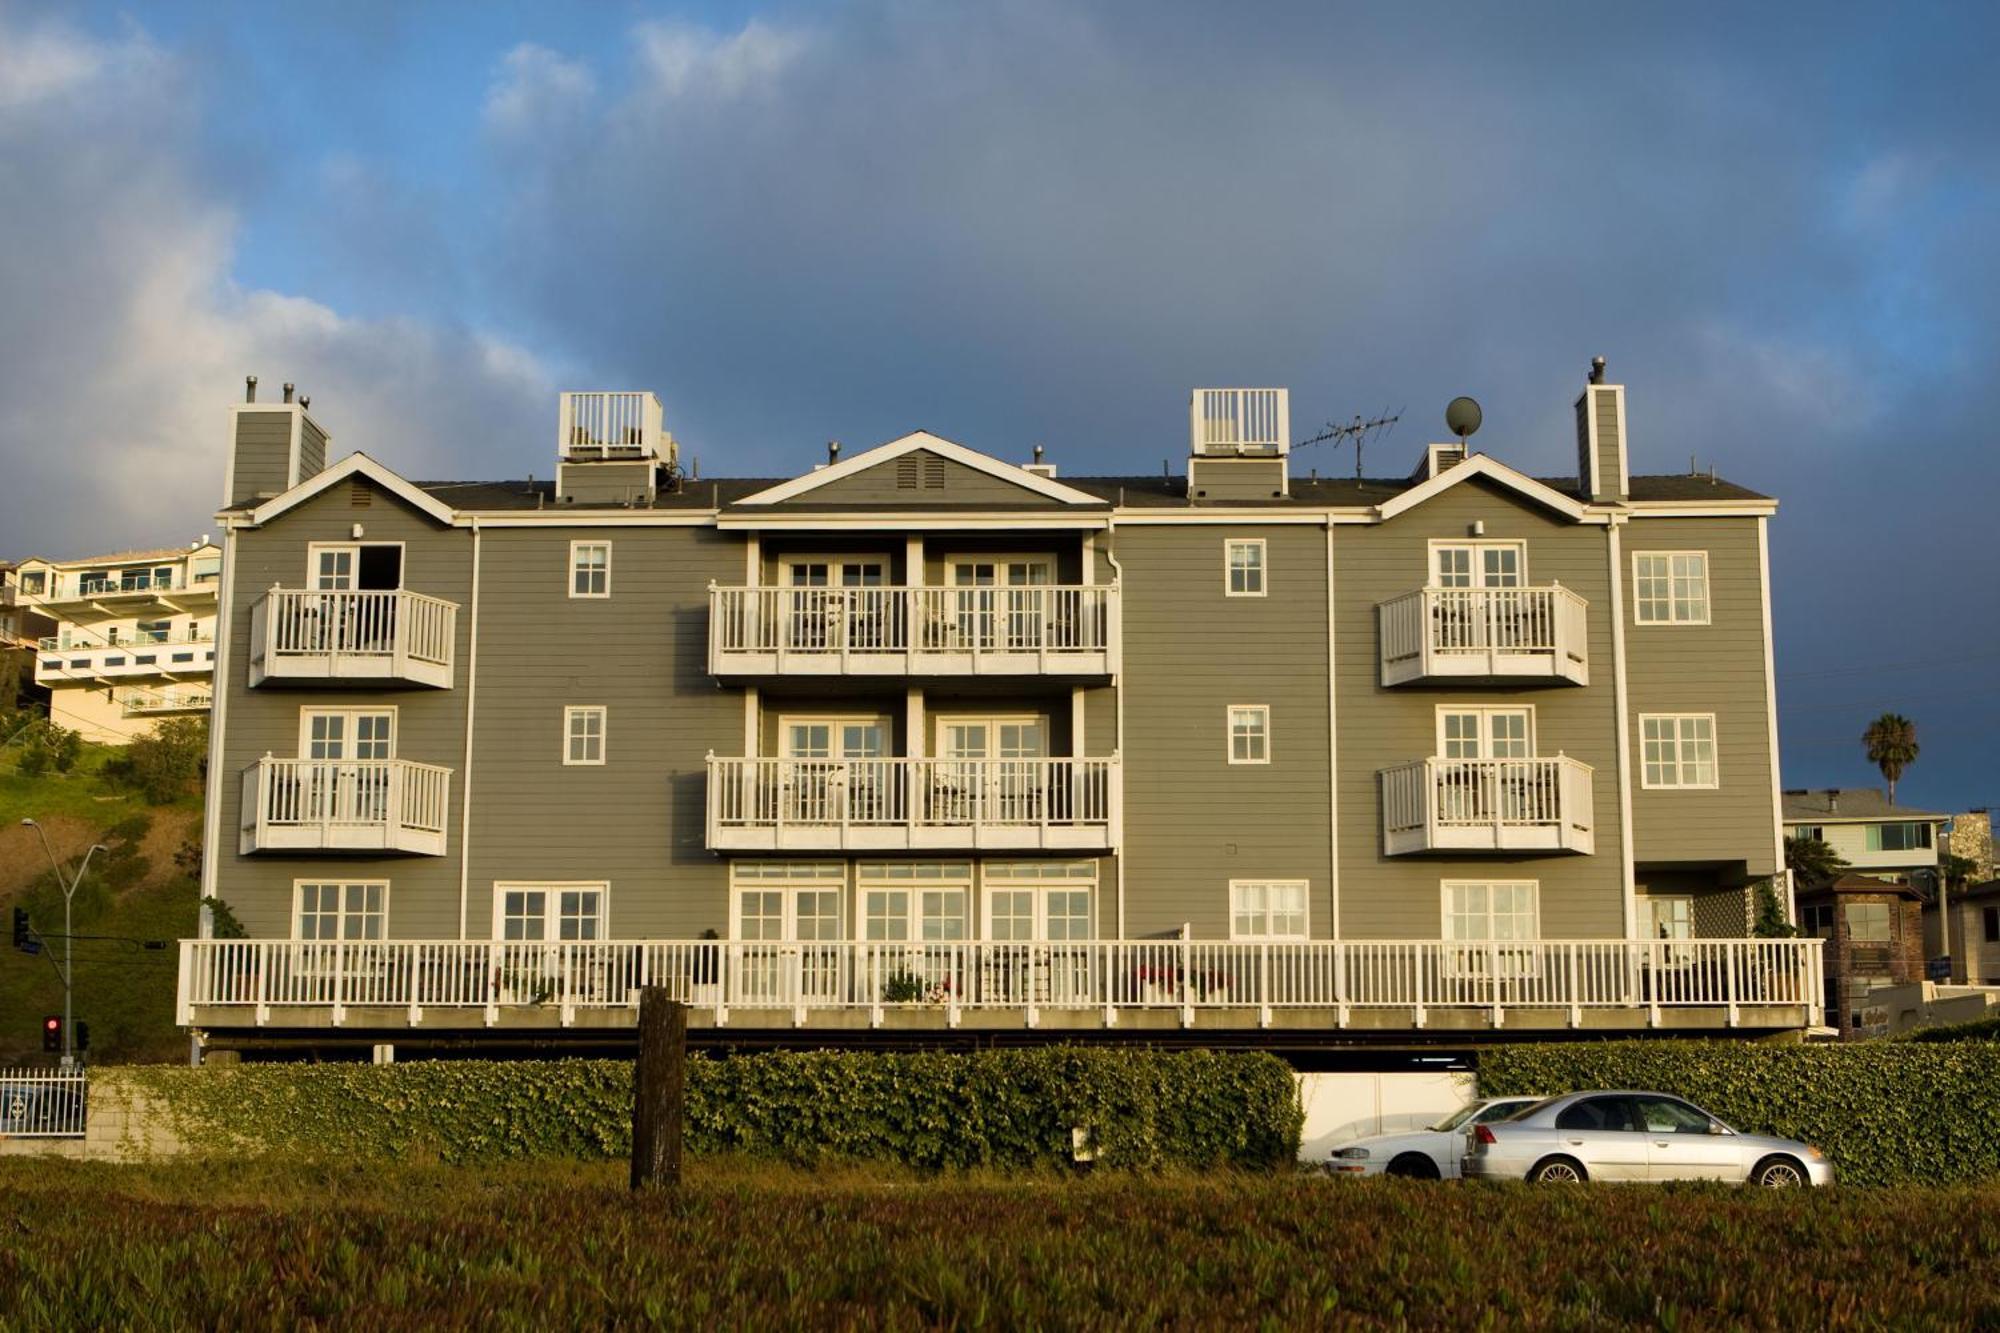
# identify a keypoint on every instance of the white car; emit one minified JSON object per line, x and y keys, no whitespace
{"x":1424,"y":1154}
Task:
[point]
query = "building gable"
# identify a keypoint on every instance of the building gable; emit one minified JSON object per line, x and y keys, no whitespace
{"x":359,"y":470}
{"x":1485,"y":467}
{"x":924,"y":470}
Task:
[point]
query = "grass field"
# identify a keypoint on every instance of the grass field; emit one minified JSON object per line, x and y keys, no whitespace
{"x":562,"y":1244}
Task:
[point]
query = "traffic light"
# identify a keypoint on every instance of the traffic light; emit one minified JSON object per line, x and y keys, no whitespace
{"x":82,"y":1036}
{"x":21,"y":929}
{"x":52,"y":1034}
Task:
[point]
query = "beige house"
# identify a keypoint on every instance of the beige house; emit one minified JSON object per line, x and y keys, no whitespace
{"x":126,"y":638}
{"x":922,"y":739}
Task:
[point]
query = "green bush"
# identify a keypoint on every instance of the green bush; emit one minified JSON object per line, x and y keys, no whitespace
{"x":166,"y":763}
{"x":1884,"y":1112}
{"x":1979,"y":1029}
{"x":1009,"y":1108}
{"x":48,"y":747}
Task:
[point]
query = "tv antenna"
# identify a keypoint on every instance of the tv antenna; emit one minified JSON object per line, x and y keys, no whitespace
{"x":1357,"y":430}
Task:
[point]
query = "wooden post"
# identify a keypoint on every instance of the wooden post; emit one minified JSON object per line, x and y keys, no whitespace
{"x":658,"y":1082}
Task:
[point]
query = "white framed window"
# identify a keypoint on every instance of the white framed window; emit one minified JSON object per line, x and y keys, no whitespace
{"x":550,"y":912}
{"x":1267,"y":909}
{"x":590,"y":569}
{"x":1243,"y":567}
{"x":1670,"y":587}
{"x":1463,"y":564}
{"x":1677,"y":750}
{"x":1502,"y":918}
{"x":1041,"y":901}
{"x":347,"y":733}
{"x":583,"y":734}
{"x":1249,"y":733}
{"x":1485,"y":733}
{"x":915,"y":901}
{"x":340,"y":910}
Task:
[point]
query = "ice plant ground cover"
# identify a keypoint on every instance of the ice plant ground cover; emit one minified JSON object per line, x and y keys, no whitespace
{"x":559,"y":1244}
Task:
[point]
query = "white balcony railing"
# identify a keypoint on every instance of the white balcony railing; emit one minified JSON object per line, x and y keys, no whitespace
{"x":399,"y":635}
{"x":151,"y":703}
{"x":777,"y":804}
{"x":1521,"y":805}
{"x":1045,"y":630}
{"x":1547,"y":983}
{"x":1485,"y":634}
{"x":609,"y":425}
{"x":1231,"y":423}
{"x":345,"y":805}
{"x":83,"y":642}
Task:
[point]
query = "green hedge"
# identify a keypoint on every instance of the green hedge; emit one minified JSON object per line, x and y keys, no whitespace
{"x":1884,"y":1112}
{"x":1979,"y":1029}
{"x":1009,"y":1108}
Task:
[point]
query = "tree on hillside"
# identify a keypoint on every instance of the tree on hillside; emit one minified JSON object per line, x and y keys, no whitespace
{"x":1891,"y":742}
{"x":1812,"y":862}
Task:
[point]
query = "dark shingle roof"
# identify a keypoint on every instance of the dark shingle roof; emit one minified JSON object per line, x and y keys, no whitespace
{"x":1853,"y":803}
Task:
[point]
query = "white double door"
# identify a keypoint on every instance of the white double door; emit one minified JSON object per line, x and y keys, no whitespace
{"x":347,"y":782}
{"x":1482,"y":611}
{"x":840,"y":603}
{"x":836,"y":771}
{"x":788,"y":949}
{"x":999,"y":603}
{"x":991,"y":771}
{"x":1470,"y":791}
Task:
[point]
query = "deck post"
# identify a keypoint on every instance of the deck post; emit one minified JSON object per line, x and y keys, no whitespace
{"x":658,"y":1091}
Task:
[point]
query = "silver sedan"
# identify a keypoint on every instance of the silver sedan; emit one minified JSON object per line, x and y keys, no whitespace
{"x":1634,"y":1136}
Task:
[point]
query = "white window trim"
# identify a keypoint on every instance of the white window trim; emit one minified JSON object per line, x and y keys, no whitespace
{"x":916,"y":888}
{"x":1305,"y":929}
{"x":569,"y":572}
{"x":1475,"y":545}
{"x":998,"y":559}
{"x":790,"y":889}
{"x":1040,"y":888}
{"x":551,"y":919}
{"x":308,"y":712}
{"x":1229,"y":545}
{"x":313,"y":550}
{"x":1707,"y":590}
{"x":835,"y":721}
{"x":344,"y":883}
{"x":1485,"y":711}
{"x":1229,"y":733}
{"x":603,"y":734}
{"x":1714,"y":746}
{"x":939,"y":721}
{"x":788,"y":562}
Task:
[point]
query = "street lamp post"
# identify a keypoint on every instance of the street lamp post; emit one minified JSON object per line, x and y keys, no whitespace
{"x":69,"y":938}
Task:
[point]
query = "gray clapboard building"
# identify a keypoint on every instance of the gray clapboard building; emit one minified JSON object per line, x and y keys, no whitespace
{"x":926,"y":742}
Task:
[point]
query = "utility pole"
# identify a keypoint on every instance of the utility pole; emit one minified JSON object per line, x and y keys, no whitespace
{"x":69,"y":936}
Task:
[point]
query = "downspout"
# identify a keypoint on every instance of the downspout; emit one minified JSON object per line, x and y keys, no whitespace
{"x":1118,"y":705}
{"x":218,"y":711}
{"x":1332,"y":756}
{"x":471,"y":700}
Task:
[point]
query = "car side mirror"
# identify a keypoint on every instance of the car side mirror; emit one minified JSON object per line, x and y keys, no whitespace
{"x":1715,"y":1128}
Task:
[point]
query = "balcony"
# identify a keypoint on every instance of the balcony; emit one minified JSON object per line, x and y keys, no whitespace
{"x":1488,"y":805}
{"x":77,"y":657}
{"x":396,"y":638}
{"x":1486,"y":635}
{"x":1319,"y":985}
{"x":159,"y":703}
{"x":1240,"y":423}
{"x":1048,"y":630}
{"x":913,"y":804}
{"x":345,"y":805}
{"x":611,"y":426}
{"x":132,"y":592}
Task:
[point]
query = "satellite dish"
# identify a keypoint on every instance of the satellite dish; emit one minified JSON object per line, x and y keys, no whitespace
{"x":1462,"y":417}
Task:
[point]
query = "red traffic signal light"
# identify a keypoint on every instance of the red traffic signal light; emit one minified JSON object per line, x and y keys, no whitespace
{"x":52,"y":1034}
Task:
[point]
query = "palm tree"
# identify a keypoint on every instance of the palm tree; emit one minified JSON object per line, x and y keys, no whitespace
{"x":1891,"y":742}
{"x":1812,"y":862}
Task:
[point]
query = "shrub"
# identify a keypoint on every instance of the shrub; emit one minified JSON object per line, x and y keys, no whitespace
{"x":48,"y":747}
{"x":1008,"y":1108}
{"x":1884,"y":1112}
{"x":166,"y":764}
{"x":1979,"y":1029}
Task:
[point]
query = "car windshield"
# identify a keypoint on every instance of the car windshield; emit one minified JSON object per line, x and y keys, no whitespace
{"x":1500,"y":1111}
{"x":1457,"y":1118}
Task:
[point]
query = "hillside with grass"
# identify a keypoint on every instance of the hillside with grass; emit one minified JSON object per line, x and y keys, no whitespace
{"x":142,"y":803}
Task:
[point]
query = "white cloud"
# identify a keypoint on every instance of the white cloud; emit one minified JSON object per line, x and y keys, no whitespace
{"x":534,"y":86}
{"x":123,"y":337}
{"x":47,"y":62}
{"x":681,"y":61}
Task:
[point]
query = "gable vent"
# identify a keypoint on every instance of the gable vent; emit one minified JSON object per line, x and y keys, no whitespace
{"x":906,"y":473}
{"x":359,"y":495}
{"x":933,"y":473}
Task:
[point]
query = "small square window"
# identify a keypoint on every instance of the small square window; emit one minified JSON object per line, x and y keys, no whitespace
{"x":1243,"y":562}
{"x":583,"y":735}
{"x":590,"y":569}
{"x":1678,"y":750}
{"x":1267,"y":909}
{"x":1249,"y":734}
{"x":1670,"y":587}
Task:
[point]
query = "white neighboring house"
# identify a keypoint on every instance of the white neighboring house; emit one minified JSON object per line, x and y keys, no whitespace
{"x":1892,"y":842}
{"x":133,"y":638}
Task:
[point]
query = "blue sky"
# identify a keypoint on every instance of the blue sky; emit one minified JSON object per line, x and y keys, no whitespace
{"x":1040,"y":222}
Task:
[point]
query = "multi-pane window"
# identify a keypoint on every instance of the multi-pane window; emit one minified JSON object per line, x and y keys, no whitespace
{"x":1898,"y":837}
{"x":1479,"y":564}
{"x":1867,"y":923}
{"x":1244,"y":562}
{"x":331,"y":911}
{"x":1505,"y":912}
{"x":1810,"y":833}
{"x":1678,"y":749}
{"x":1249,"y":734}
{"x":590,"y":569}
{"x":1670,"y":587}
{"x":1672,"y":917}
{"x":583,"y":735}
{"x":1039,"y":900}
{"x":1267,"y":909}
{"x":927,"y":901}
{"x":551,"y":912}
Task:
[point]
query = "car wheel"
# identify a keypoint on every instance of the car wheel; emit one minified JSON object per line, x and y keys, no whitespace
{"x":1414,"y":1166}
{"x":1779,"y":1173}
{"x":1557,"y":1171}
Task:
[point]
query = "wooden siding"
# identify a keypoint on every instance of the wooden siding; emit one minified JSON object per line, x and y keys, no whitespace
{"x":908,"y":480}
{"x":263,"y":457}
{"x":1714,"y":668}
{"x":312,"y":449}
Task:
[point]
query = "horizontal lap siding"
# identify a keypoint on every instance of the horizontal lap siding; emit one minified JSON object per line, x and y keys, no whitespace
{"x":263,"y":455}
{"x":880,"y":485}
{"x":430,"y":724}
{"x":1714,"y":668}
{"x":1383,"y":897}
{"x":638,"y":820}
{"x":1193,"y":821}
